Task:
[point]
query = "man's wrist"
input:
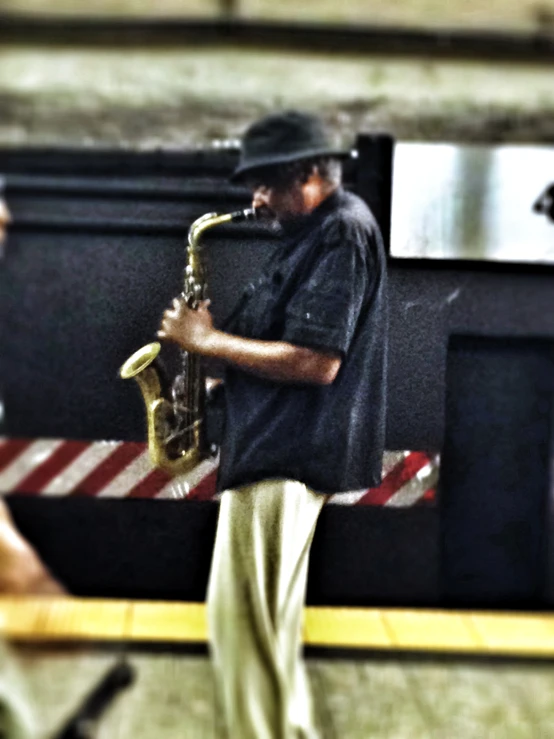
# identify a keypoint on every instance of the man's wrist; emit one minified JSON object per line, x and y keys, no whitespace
{"x":214,"y":344}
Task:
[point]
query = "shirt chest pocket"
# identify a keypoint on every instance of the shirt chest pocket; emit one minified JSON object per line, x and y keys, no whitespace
{"x":263,"y":312}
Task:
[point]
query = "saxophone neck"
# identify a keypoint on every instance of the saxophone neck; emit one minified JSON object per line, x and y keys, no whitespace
{"x":248,"y":214}
{"x":209,"y":220}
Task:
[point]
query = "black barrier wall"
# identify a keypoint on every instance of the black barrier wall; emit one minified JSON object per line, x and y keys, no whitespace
{"x":162,"y":549}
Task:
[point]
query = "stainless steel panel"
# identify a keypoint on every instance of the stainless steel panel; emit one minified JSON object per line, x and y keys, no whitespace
{"x":471,"y":202}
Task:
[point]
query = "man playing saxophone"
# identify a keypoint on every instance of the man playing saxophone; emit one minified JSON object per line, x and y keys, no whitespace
{"x":305,"y":357}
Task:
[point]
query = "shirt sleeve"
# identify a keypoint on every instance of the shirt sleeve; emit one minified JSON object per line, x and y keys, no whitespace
{"x":323,"y":312}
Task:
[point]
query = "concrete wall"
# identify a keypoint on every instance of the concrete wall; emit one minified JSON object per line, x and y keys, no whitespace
{"x":521,"y":15}
{"x":183,"y":97}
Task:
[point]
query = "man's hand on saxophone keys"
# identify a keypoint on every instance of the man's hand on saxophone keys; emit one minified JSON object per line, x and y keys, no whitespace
{"x":190,"y":328}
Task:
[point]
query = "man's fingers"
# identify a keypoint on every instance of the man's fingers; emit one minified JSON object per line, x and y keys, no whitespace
{"x":203,"y":306}
{"x":166,"y":324}
{"x":180,"y":304}
{"x":177,"y":309}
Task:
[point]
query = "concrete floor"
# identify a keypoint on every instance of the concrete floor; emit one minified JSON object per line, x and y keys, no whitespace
{"x":173,"y":696}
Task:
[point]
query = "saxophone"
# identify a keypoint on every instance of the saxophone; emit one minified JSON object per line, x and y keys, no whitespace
{"x":175,"y":415}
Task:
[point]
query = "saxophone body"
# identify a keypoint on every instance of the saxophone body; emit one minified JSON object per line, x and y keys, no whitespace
{"x":175,"y":415}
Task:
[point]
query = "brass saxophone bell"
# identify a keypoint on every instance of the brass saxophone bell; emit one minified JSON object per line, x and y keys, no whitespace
{"x":140,"y":360}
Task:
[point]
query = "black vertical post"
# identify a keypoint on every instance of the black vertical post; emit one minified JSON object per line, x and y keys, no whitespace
{"x":548,"y":592}
{"x":3,"y":289}
{"x":374,"y":177}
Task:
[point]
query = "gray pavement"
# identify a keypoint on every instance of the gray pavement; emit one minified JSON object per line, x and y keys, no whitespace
{"x":173,"y":696}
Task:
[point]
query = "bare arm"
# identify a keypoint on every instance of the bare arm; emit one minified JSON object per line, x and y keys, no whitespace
{"x":275,"y":360}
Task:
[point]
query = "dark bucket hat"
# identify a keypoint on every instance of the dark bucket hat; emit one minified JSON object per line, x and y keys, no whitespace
{"x":283,"y":137}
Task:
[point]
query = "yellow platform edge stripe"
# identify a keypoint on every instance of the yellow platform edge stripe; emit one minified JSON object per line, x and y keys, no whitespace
{"x":68,"y":619}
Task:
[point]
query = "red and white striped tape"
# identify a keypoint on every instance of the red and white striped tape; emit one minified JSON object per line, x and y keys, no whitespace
{"x":114,"y":469}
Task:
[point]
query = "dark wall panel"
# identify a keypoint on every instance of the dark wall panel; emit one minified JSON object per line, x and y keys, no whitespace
{"x":428,"y":303}
{"x":76,"y":306}
{"x":496,"y":470}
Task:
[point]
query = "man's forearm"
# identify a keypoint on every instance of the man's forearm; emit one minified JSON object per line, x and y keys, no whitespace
{"x":193,"y":330}
{"x":274,"y":360}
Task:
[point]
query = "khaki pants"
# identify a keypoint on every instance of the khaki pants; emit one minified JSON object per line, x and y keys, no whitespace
{"x":255,"y":598}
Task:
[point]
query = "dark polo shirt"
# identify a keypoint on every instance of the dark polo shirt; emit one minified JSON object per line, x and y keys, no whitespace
{"x":325,"y":288}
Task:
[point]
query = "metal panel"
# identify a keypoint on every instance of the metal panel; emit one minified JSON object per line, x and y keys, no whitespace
{"x":454,"y":201}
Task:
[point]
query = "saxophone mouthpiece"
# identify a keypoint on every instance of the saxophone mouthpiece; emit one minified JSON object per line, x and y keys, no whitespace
{"x":248,"y":214}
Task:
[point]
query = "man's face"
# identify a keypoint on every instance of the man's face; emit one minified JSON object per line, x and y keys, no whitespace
{"x":278,"y":200}
{"x":5,"y":219}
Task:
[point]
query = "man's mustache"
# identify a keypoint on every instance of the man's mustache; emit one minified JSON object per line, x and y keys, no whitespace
{"x":269,"y":218}
{"x":265,"y":213}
